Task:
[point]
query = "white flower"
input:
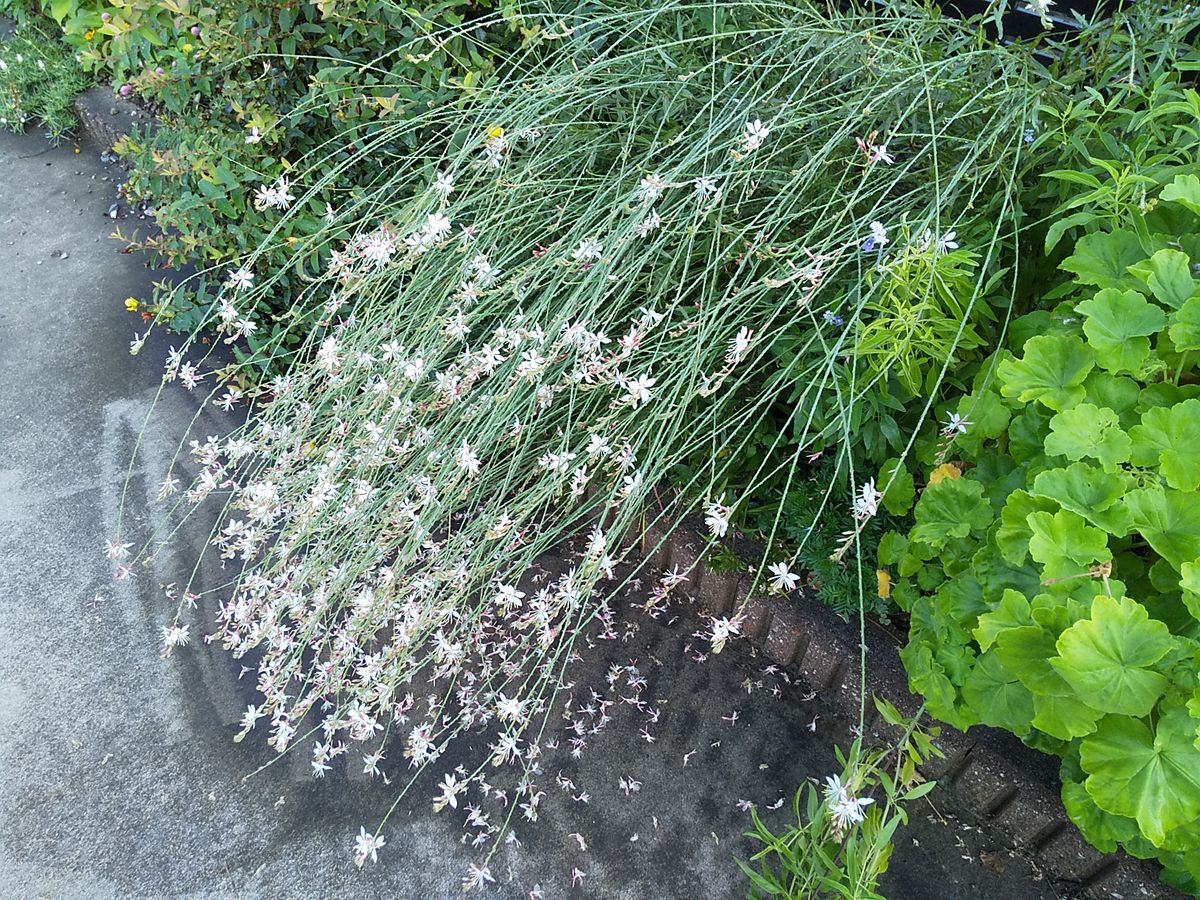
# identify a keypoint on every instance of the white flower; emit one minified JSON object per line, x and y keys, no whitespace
{"x":716,"y":517}
{"x":947,"y":242}
{"x":254,"y":136}
{"x":835,"y":791}
{"x":476,"y":877}
{"x":649,"y":224}
{"x":1042,"y":9}
{"x":756,"y":133}
{"x":116,"y":550}
{"x":444,"y":183}
{"x":366,"y":845}
{"x":241,"y":278}
{"x":598,"y":445}
{"x":276,"y":196}
{"x":878,"y":237}
{"x":174,"y":636}
{"x":848,"y":811}
{"x":739,"y":345}
{"x":451,"y":787}
{"x":638,"y":390}
{"x":467,"y":459}
{"x":783,"y":578}
{"x":650,"y":189}
{"x":589,"y":249}
{"x":866,"y":504}
{"x":437,"y":226}
{"x":706,"y":188}
{"x":956,"y":424}
{"x":722,"y":629}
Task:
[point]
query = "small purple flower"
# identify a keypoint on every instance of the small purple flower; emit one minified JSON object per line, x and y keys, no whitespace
{"x":125,"y":90}
{"x":833,"y":318}
{"x":1029,"y":135}
{"x":869,"y":244}
{"x":195,"y":31}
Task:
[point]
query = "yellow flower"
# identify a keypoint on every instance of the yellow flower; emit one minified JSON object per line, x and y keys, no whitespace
{"x":944,"y":471}
{"x":884,"y":579}
{"x":187,"y":48}
{"x":496,"y":133}
{"x":131,"y":304}
{"x":89,"y":34}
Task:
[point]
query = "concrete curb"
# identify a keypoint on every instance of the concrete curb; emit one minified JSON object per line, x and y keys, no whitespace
{"x":105,"y":118}
{"x":983,"y":768}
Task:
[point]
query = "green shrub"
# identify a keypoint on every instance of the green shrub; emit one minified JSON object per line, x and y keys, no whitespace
{"x":1053,"y":581}
{"x":38,"y":81}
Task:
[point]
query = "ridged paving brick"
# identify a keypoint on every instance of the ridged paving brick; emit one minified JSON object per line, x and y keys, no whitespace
{"x":1069,"y":856}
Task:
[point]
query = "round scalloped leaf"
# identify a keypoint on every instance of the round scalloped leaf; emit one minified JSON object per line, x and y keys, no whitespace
{"x":1051,"y":371}
{"x":1117,"y":326}
{"x":1026,"y":652}
{"x":1103,"y":258}
{"x":1185,"y":326}
{"x":1102,"y":829}
{"x":1013,"y":612}
{"x":1064,"y":543}
{"x":1168,"y":520}
{"x":1012,"y":537}
{"x":1119,"y":393}
{"x":1170,"y":278}
{"x":1106,"y":658}
{"x":1184,"y":190}
{"x":950,"y":509}
{"x":1087,"y":491}
{"x":997,"y":697}
{"x":1169,"y":437}
{"x":1088,"y":431}
{"x":1151,"y":776}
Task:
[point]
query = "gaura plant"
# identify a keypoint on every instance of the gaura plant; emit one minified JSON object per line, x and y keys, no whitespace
{"x":565,"y":286}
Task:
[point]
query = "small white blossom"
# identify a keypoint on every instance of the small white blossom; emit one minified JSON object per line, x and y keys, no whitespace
{"x":367,"y":846}
{"x":782,"y":577}
{"x":588,"y":250}
{"x":756,"y":133}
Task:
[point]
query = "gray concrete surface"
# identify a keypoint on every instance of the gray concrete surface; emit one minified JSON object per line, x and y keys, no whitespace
{"x":118,"y":776}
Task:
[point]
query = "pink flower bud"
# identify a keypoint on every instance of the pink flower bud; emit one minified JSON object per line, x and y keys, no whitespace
{"x":195,"y":31}
{"x":126,"y":90}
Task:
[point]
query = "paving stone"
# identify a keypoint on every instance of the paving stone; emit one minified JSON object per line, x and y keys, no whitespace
{"x":1031,"y":817}
{"x":1069,"y":856}
{"x":1130,"y":879}
{"x":985,"y":782}
{"x":786,"y":636}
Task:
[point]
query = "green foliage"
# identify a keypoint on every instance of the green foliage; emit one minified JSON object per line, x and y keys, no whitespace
{"x":1075,"y":536}
{"x":247,"y":92}
{"x":815,"y":857}
{"x":38,"y":80}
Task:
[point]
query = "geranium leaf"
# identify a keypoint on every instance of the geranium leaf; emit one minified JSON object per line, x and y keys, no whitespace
{"x":1168,"y":520}
{"x":1185,"y":326}
{"x":1117,"y":326}
{"x":1087,"y":430}
{"x":1012,"y":537}
{"x":1088,"y":491}
{"x":1170,"y":278}
{"x":1102,"y":258}
{"x":1149,"y":775}
{"x":1013,"y":612}
{"x":1102,"y":829}
{"x":1184,"y":190}
{"x":1051,"y":371}
{"x":997,"y":697}
{"x":1106,"y":658}
{"x":948,"y":510}
{"x":1026,"y":652}
{"x":1064,"y":543}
